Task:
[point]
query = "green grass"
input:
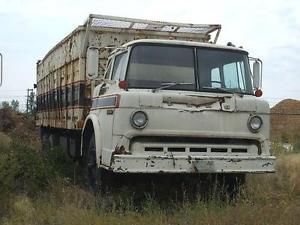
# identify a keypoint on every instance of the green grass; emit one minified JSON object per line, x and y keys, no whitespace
{"x":266,"y":199}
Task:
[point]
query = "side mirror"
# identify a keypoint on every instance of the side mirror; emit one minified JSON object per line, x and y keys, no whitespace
{"x":92,"y":63}
{"x":257,"y":76}
{"x":1,"y":68}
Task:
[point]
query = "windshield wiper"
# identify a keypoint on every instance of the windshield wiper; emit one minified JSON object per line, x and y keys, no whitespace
{"x":224,"y":90}
{"x":169,"y":84}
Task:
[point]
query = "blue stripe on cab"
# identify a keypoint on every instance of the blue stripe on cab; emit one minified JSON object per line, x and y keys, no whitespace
{"x":104,"y":102}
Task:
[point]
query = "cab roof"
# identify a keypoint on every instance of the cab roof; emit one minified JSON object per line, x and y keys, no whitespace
{"x":182,"y":43}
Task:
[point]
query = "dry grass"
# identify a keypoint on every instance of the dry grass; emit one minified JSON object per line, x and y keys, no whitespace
{"x":267,"y":199}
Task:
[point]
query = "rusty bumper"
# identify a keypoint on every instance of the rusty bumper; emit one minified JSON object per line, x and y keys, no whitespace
{"x":188,"y":164}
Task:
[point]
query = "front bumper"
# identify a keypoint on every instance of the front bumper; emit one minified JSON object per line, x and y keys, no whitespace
{"x":192,"y":164}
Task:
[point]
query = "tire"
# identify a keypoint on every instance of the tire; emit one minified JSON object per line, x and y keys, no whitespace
{"x":45,"y":139}
{"x":49,"y":139}
{"x":90,"y":162}
{"x":97,"y":180}
{"x":233,"y":183}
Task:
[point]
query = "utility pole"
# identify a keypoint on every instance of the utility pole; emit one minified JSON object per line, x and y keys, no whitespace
{"x":28,"y":99}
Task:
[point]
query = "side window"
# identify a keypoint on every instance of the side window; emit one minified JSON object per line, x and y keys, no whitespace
{"x":231,"y":78}
{"x":215,"y":78}
{"x":241,"y":74}
{"x":108,"y":70}
{"x":119,"y":66}
{"x":234,"y":75}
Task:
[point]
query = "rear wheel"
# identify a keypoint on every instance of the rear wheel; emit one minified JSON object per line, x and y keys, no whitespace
{"x":45,"y":139}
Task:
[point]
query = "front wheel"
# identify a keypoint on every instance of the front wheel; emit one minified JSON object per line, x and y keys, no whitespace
{"x":96,"y":179}
{"x":232,"y":184}
{"x":90,"y":165}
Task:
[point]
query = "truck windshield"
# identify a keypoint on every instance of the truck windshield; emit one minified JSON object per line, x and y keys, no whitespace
{"x":215,"y":70}
{"x":152,"y":66}
{"x":223,"y":71}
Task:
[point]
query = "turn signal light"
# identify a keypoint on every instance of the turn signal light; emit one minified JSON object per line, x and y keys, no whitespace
{"x":123,"y":84}
{"x":258,"y":93}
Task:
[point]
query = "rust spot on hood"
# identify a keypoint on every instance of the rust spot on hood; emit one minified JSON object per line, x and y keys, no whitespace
{"x":191,"y":100}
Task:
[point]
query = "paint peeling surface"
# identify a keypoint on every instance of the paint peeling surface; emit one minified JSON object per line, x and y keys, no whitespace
{"x":138,"y":24}
{"x":190,"y":164}
{"x":64,"y":93}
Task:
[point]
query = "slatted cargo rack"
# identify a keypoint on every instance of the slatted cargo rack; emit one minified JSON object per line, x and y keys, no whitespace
{"x":64,"y":93}
{"x":177,"y":29}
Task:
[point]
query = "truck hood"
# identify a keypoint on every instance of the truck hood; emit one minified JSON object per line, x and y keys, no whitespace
{"x":193,"y":101}
{"x":173,"y":113}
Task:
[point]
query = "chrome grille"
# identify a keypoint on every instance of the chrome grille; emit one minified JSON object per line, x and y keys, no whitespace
{"x":179,"y":145}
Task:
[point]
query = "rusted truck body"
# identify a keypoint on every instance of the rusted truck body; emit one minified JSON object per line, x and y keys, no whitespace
{"x":64,"y":92}
{"x":139,"y":96}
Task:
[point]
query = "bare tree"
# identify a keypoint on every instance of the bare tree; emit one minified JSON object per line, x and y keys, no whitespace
{"x":15,"y":105}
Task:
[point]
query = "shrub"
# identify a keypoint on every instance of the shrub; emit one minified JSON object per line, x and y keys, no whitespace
{"x":277,"y":149}
{"x":22,"y":170}
{"x":5,"y":140}
{"x":6,"y":120}
{"x":297,"y":144}
{"x":59,"y":163}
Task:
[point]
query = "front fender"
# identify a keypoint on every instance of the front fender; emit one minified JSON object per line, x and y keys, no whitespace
{"x":92,"y":119}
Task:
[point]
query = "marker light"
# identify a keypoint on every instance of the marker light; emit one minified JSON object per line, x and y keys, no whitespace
{"x":258,"y":93}
{"x":123,"y":84}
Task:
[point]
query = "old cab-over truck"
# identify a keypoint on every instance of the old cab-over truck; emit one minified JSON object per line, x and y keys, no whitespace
{"x":138,"y":96}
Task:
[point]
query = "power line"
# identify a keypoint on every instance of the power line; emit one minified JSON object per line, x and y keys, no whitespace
{"x":285,"y":114}
{"x":12,"y":96}
{"x":13,"y":90}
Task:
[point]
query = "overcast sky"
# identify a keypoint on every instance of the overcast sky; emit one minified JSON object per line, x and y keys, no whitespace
{"x":269,"y":30}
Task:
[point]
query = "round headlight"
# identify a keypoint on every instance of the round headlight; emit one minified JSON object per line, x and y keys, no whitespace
{"x":139,"y":119}
{"x":255,"y":123}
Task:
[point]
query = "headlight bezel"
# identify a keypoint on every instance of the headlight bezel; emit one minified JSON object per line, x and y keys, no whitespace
{"x":250,"y":123}
{"x":134,"y":124}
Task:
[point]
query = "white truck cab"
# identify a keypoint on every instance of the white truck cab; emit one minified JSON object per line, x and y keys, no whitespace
{"x":167,"y":106}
